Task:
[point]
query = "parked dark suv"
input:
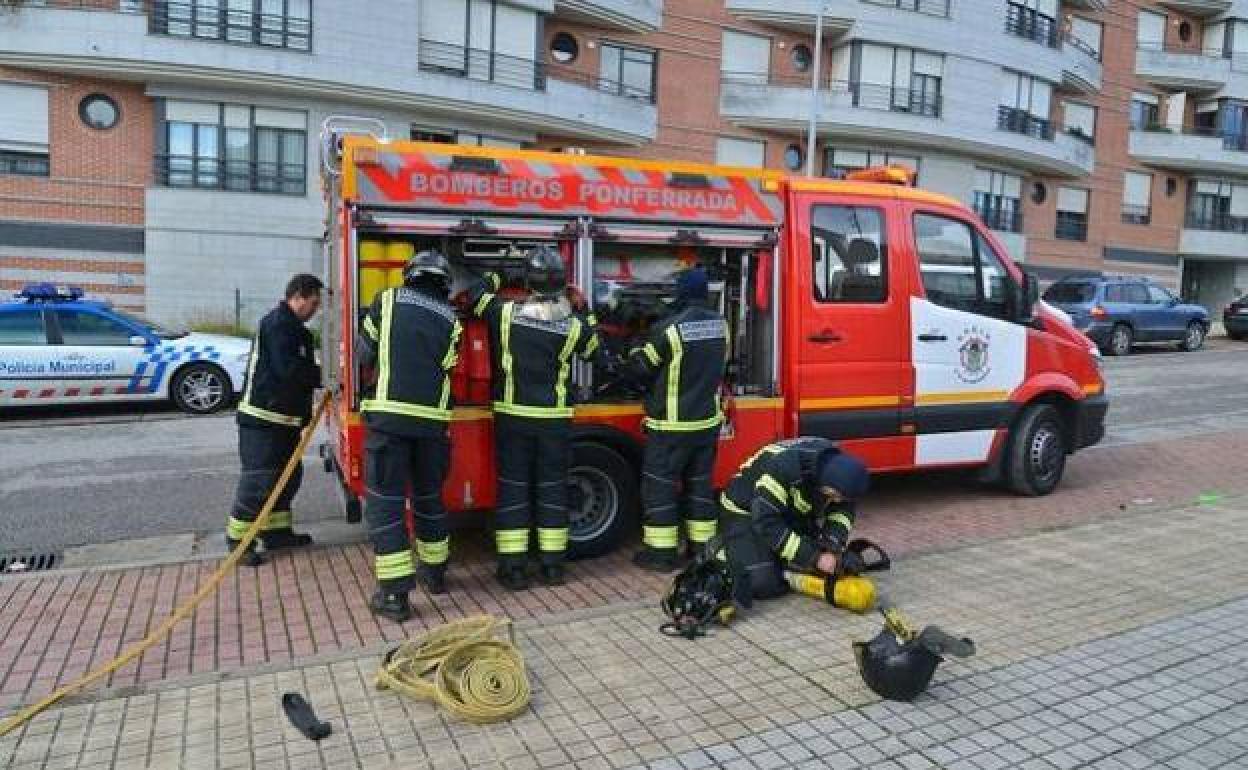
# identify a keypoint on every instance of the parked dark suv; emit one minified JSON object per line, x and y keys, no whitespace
{"x":1235,"y":319}
{"x":1117,"y":313}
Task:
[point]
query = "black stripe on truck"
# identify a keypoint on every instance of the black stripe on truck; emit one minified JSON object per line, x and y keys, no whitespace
{"x":883,"y":423}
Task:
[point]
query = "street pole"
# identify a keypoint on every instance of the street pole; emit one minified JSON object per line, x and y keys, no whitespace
{"x":811,"y":129}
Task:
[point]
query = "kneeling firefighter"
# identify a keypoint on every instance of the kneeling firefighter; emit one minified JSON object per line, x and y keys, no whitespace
{"x":532,"y":343}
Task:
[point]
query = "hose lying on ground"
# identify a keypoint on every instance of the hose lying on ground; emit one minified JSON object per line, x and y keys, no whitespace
{"x":476,"y":676}
{"x":180,"y":613}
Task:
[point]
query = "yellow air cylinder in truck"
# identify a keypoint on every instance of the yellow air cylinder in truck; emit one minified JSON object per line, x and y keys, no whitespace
{"x":397,"y":254}
{"x":373,"y":277}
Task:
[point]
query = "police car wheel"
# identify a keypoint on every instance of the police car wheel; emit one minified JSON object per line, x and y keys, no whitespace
{"x":603,"y":499}
{"x":1037,"y":451}
{"x":200,"y":389}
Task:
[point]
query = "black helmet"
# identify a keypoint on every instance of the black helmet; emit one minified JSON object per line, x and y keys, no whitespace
{"x":544,"y":271}
{"x":898,"y":664}
{"x":430,"y":263}
{"x":700,"y":595}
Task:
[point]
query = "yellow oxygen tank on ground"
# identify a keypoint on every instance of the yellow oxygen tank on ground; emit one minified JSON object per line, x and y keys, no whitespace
{"x":372,"y":279}
{"x":397,"y":254}
{"x":849,"y":592}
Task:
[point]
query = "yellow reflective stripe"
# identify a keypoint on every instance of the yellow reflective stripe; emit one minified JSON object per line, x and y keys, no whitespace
{"x":661,"y":537}
{"x":841,"y":518}
{"x":252,"y":355}
{"x":651,"y":354}
{"x":700,"y":531}
{"x":452,"y":353}
{"x":394,"y":565}
{"x":433,"y":553}
{"x":236,"y":528}
{"x":592,"y":346}
{"x":383,"y":353}
{"x":791,"y":544}
{"x":673,"y":373}
{"x":799,"y":502}
{"x":482,"y":303}
{"x":565,"y":357}
{"x":774,"y":487}
{"x":542,"y":412}
{"x":684,"y":425}
{"x":267,"y":416}
{"x":550,"y":539}
{"x":728,"y":505}
{"x":370,"y":328}
{"x":444,"y":400}
{"x":408,"y":410}
{"x":280,"y":520}
{"x":509,"y":382}
{"x":512,"y":540}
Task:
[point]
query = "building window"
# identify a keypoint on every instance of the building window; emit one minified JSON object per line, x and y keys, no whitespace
{"x":1150,"y":32}
{"x":481,"y":40}
{"x":848,"y":255}
{"x":837,"y":162}
{"x":793,"y":157}
{"x":897,"y":79}
{"x":627,"y":72}
{"x":233,"y":147}
{"x":1218,"y":205}
{"x":24,"y":130}
{"x":98,"y":111}
{"x":744,"y":58}
{"x":802,"y":57}
{"x":1079,"y":121}
{"x":751,"y":153}
{"x":1137,"y":193}
{"x":1086,"y":35}
{"x":1025,"y":105}
{"x":437,"y":136}
{"x":1145,"y":112}
{"x":484,"y":140}
{"x":1072,"y":214}
{"x":998,"y":200}
{"x":1034,"y":20}
{"x":564,"y":49}
{"x":274,"y":23}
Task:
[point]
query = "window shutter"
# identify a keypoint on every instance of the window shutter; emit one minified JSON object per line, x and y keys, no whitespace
{"x":192,"y":112}
{"x":739,"y":152}
{"x":1011,"y":186}
{"x":1041,"y":99}
{"x":1080,"y":116}
{"x":1137,"y":188}
{"x":281,"y":118}
{"x":983,"y":181}
{"x":746,"y":57}
{"x":1239,"y":200}
{"x":520,"y":39}
{"x":1072,"y":199}
{"x":1145,"y":98}
{"x":24,"y":118}
{"x":876,"y":65}
{"x":1151,"y":32}
{"x":850,"y":159}
{"x":445,"y":21}
{"x":1010,"y":83}
{"x":928,"y":64}
{"x":1087,"y":31}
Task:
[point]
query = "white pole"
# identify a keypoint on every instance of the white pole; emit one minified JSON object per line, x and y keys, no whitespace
{"x":811,"y":128}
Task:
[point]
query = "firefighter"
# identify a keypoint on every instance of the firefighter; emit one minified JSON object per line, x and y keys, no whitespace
{"x":533,"y":343}
{"x":684,"y":361}
{"x":410,"y":340}
{"x":791,"y":506}
{"x":282,"y":374}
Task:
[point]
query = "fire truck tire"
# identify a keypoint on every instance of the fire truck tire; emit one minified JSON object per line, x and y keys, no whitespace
{"x":1037,"y":451}
{"x":603,"y":500}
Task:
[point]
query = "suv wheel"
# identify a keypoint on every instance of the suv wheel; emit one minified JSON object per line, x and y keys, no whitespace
{"x":1120,"y":341}
{"x":1193,"y":338}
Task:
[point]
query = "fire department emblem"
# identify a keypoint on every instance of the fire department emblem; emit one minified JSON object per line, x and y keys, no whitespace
{"x":973,"y":347}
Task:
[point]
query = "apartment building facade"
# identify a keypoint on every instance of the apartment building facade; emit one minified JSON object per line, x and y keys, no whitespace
{"x":163,"y":154}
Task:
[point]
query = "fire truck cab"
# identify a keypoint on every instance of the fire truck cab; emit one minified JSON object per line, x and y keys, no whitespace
{"x":863,"y":310}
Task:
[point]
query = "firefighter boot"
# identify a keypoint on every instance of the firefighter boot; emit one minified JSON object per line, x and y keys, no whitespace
{"x":553,"y":574}
{"x":396,"y":607}
{"x":250,"y":558}
{"x":284,"y":538}
{"x":513,"y":577}
{"x":657,"y":559}
{"x":432,"y":577}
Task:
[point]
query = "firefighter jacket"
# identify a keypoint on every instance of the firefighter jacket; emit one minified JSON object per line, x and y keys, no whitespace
{"x":281,"y":373}
{"x":532,"y":356}
{"x":411,"y":337}
{"x":686,"y":355}
{"x":775,"y":497}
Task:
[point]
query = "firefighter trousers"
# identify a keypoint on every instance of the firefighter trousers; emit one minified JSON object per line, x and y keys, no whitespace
{"x":533,"y":456}
{"x":263,"y":454}
{"x":396,"y":466}
{"x":757,"y":572}
{"x":676,"y":480}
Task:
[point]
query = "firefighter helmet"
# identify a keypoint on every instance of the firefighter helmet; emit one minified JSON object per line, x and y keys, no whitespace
{"x":700,"y":595}
{"x":430,"y":263}
{"x":898,"y":664}
{"x":544,"y":271}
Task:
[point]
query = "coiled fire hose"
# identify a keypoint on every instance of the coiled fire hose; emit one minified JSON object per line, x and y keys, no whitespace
{"x":476,"y":676}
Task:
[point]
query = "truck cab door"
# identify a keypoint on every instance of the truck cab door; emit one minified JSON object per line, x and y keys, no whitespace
{"x":847,"y":342}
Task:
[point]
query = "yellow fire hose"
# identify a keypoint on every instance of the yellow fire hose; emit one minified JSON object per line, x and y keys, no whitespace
{"x":183,"y":611}
{"x":476,"y":677}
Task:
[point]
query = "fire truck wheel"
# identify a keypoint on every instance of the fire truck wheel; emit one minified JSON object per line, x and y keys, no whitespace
{"x":602,"y":500}
{"x":1037,"y":454}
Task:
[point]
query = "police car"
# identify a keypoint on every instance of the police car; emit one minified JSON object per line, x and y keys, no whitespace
{"x":58,"y":348}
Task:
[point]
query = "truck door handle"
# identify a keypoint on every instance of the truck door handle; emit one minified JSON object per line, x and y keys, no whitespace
{"x":824,"y":337}
{"x":933,"y":338}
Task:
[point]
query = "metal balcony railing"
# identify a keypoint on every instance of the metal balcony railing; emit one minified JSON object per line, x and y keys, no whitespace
{"x":1216,"y":221}
{"x":1001,"y":219}
{"x":479,"y":64}
{"x":1028,"y":24}
{"x":1081,"y":46}
{"x":1018,"y":121}
{"x":205,"y":172}
{"x":1188,"y":49}
{"x":644,"y":94}
{"x":216,"y":21}
{"x":926,"y":102}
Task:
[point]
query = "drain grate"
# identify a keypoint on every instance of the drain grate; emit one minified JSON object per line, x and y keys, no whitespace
{"x":28,"y":562}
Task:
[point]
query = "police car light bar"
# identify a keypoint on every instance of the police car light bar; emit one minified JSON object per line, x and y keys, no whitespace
{"x":46,"y":292}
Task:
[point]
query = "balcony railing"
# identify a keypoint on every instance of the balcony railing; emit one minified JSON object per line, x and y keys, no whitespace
{"x":1230,"y":141}
{"x":1018,"y":121}
{"x":1029,"y":25}
{"x":929,"y":7}
{"x":1081,"y":47}
{"x":870,"y":96}
{"x":1188,"y":49}
{"x":1218,"y":222}
{"x":643,"y":94}
{"x":1001,"y":219}
{"x":1071,"y":226}
{"x":209,"y":173}
{"x":216,"y":21}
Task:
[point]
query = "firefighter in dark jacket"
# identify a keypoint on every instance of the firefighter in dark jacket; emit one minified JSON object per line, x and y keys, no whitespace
{"x":790,"y":506}
{"x":282,"y":374}
{"x":533,"y":343}
{"x":410,"y":340}
{"x":684,"y":361}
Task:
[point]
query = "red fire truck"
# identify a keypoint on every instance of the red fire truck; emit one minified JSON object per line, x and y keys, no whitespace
{"x":863,"y":310}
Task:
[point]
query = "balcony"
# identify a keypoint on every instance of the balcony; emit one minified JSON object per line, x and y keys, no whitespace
{"x":1214,"y":235}
{"x":1199,"y":8}
{"x":1029,"y":25}
{"x":622,"y":15}
{"x":1182,"y":68}
{"x":838,"y":15}
{"x":1081,"y":66}
{"x":1018,"y":121}
{"x":1192,"y":150}
{"x":951,"y":122}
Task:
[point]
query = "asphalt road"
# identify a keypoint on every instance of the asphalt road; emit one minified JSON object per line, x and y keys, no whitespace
{"x":92,"y":477}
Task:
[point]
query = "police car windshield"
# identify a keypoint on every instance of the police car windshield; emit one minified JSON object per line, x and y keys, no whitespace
{"x":152,"y":327}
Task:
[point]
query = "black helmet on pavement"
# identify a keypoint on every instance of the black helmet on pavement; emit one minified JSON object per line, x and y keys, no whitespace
{"x":898,"y":664}
{"x":544,"y":271}
{"x":429,"y":264}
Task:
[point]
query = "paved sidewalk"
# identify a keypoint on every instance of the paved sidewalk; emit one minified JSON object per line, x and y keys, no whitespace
{"x":1117,"y":643}
{"x":315,"y":602}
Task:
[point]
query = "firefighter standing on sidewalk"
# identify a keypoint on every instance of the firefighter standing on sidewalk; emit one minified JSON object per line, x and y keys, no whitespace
{"x":282,"y":374}
{"x":410,"y":337}
{"x":533,"y":343}
{"x":684,"y":361}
